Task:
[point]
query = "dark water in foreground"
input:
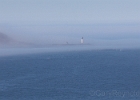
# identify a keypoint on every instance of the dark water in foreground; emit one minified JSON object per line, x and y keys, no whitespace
{"x":75,"y":75}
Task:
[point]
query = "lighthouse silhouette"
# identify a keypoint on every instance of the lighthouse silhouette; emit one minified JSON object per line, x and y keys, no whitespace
{"x":82,"y":40}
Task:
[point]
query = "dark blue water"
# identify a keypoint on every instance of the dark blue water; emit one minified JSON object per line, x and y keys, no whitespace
{"x":75,"y":75}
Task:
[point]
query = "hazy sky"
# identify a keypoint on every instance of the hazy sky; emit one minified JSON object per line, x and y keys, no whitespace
{"x":59,"y":21}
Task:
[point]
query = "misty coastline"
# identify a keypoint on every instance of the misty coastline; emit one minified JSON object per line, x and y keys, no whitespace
{"x":10,"y":46}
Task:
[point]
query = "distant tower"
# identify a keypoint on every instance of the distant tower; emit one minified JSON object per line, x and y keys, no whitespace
{"x":82,"y":40}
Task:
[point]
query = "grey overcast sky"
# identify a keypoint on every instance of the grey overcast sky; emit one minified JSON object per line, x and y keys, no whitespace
{"x":61,"y":21}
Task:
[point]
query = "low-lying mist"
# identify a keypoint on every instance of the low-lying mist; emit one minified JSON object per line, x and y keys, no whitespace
{"x":15,"y":44}
{"x":10,"y":51}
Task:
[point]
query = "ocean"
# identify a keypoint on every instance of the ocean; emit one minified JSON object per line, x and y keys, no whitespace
{"x":108,"y":74}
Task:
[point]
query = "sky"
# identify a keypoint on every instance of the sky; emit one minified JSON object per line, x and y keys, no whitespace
{"x":100,"y":22}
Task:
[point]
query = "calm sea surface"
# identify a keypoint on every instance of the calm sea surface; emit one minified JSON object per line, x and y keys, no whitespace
{"x":73,"y":75}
